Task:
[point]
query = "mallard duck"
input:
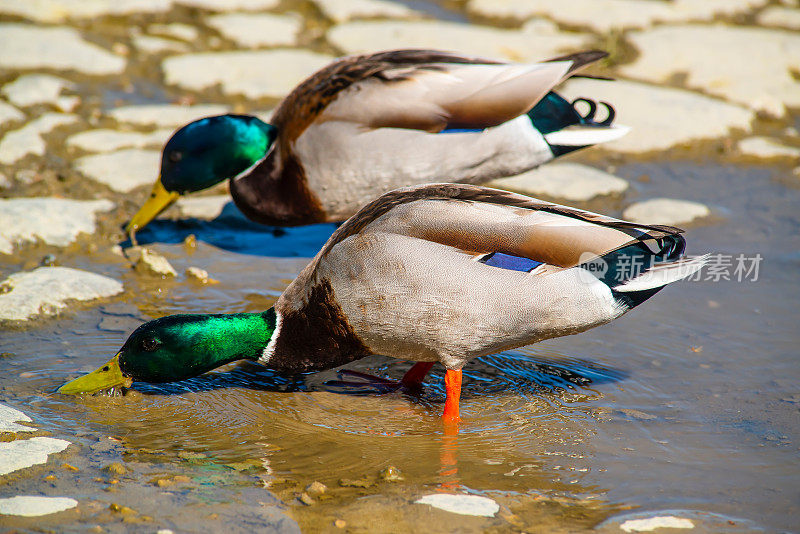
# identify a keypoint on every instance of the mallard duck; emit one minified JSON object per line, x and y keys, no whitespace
{"x":435,"y":273}
{"x":367,"y":124}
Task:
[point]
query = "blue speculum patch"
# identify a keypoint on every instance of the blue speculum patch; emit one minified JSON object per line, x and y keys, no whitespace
{"x":461,"y":130}
{"x":512,"y":263}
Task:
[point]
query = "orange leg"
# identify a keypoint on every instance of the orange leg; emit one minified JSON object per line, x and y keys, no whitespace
{"x":414,"y":377}
{"x":452,"y":383}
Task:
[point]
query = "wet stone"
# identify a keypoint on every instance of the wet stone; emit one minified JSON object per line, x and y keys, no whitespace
{"x":61,"y":10}
{"x":156,"y":45}
{"x":105,"y":140}
{"x":31,"y":89}
{"x":306,"y":499}
{"x":254,"y":74}
{"x":47,"y":290}
{"x":606,"y":15}
{"x":199,"y":275}
{"x":533,"y":42}
{"x":165,"y":114}
{"x":24,"y":46}
{"x":122,"y":170}
{"x":461,"y":504}
{"x":9,"y":113}
{"x":695,"y":521}
{"x":344,"y":10}
{"x":711,"y":58}
{"x":33,"y":506}
{"x":150,"y":262}
{"x":316,"y":488}
{"x":783,"y":17}
{"x":55,"y":221}
{"x":115,"y":468}
{"x":665,"y":211}
{"x":570,"y":181}
{"x":9,"y":417}
{"x":765,"y":147}
{"x":254,"y":30}
{"x":16,"y":455}
{"x":391,"y":474}
{"x":176,"y":30}
{"x":28,"y":140}
{"x":661,"y":117}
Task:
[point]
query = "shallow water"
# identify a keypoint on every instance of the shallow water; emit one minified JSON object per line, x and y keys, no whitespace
{"x":691,"y":401}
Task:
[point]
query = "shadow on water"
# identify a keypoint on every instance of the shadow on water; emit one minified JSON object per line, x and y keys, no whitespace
{"x":238,"y":235}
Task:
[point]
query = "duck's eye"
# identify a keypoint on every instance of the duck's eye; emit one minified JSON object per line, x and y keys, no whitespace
{"x":175,"y":156}
{"x":150,"y":344}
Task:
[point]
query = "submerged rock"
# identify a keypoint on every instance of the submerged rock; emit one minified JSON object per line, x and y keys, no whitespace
{"x":9,"y":418}
{"x":105,"y":140}
{"x":461,"y":504}
{"x":176,"y":30}
{"x":31,"y":89}
{"x":19,"y":454}
{"x":122,"y":170}
{"x":165,"y":114}
{"x":712,"y":59}
{"x":9,"y":113}
{"x":28,"y":140}
{"x":344,"y":10}
{"x":570,"y":181}
{"x":254,"y":74}
{"x":765,"y":147}
{"x":531,"y":43}
{"x":150,"y":262}
{"x":61,"y":10}
{"x":34,"y":505}
{"x":26,"y":46}
{"x":665,"y":211}
{"x":230,"y":5}
{"x":46,"y":291}
{"x":156,"y":45}
{"x":658,"y":521}
{"x":55,"y":221}
{"x":254,"y":30}
{"x":661,"y":117}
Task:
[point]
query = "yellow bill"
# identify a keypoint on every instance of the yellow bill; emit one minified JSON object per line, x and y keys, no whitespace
{"x":106,"y":377}
{"x":159,"y":200}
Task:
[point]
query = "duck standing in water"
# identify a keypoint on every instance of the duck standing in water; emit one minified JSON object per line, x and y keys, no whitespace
{"x":368,"y":124}
{"x":434,"y":273}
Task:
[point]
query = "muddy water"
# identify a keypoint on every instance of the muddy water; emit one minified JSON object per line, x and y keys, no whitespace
{"x":689,"y":402}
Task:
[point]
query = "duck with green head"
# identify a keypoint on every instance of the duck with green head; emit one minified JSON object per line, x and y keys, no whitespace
{"x":439,"y":273}
{"x":367,"y":124}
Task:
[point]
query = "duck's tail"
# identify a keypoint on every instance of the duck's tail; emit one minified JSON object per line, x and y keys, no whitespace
{"x":566,"y":130}
{"x":639,"y":270}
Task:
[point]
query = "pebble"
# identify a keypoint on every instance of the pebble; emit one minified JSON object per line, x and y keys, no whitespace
{"x":340,"y":523}
{"x":34,"y":505}
{"x":316,"y":488}
{"x":783,"y":17}
{"x":606,"y":15}
{"x":16,"y":455}
{"x":254,"y":74}
{"x":176,"y":30}
{"x":765,"y":147}
{"x":115,"y":468}
{"x":55,"y":221}
{"x":391,"y":474}
{"x":28,"y":140}
{"x":150,"y":262}
{"x":9,"y":418}
{"x":569,"y":181}
{"x":230,"y":5}
{"x":254,"y":30}
{"x":461,"y":504}
{"x":533,"y":42}
{"x":306,"y":499}
{"x":156,"y":45}
{"x":61,"y":10}
{"x":344,"y":10}
{"x":32,"y":89}
{"x":165,"y":114}
{"x":9,"y":113}
{"x":122,"y":170}
{"x":26,"y":46}
{"x":712,"y":57}
{"x":106,"y":140}
{"x":665,"y":211}
{"x":661,"y":117}
{"x":201,"y":275}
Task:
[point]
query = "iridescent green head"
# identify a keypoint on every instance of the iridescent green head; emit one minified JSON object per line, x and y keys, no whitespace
{"x":202,"y":154}
{"x":177,"y":347}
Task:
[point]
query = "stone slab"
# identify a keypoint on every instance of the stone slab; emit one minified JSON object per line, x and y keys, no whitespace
{"x":9,"y":418}
{"x":461,"y":504}
{"x":344,"y":10}
{"x":32,"y":89}
{"x":28,"y":140}
{"x":665,"y":211}
{"x":176,"y":30}
{"x":157,"y":45}
{"x":254,"y":74}
{"x":61,"y":10}
{"x":105,"y":140}
{"x":661,"y":117}
{"x":19,"y":454}
{"x":122,"y":170}
{"x":256,"y":30}
{"x":569,"y":181}
{"x":35,"y":505}
{"x":765,"y":147}
{"x":26,"y":46}
{"x":47,"y":290}
{"x":54,"y":221}
{"x":230,"y":5}
{"x":779,"y":16}
{"x":164,"y":114}
{"x":9,"y":113}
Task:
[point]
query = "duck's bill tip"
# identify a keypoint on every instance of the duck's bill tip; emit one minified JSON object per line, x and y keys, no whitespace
{"x":106,"y":377}
{"x":159,"y":200}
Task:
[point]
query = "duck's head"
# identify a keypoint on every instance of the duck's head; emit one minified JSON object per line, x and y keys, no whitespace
{"x":202,"y":154}
{"x":177,"y":347}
